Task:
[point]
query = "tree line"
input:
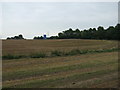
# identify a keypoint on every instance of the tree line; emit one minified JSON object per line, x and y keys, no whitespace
{"x":111,"y":33}
{"x":16,"y":37}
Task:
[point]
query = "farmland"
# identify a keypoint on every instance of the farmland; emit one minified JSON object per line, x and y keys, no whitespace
{"x":93,"y":69}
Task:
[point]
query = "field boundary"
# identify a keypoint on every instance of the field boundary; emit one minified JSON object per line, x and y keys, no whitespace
{"x":57,"y":53}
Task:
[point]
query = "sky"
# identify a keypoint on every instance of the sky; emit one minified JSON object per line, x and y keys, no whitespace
{"x":37,"y":18}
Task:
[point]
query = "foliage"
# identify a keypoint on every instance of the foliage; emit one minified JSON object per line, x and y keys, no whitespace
{"x":16,"y":37}
{"x":9,"y":56}
{"x":58,"y":53}
{"x":53,"y":37}
{"x":38,"y":55}
{"x":111,"y":33}
{"x":38,"y":37}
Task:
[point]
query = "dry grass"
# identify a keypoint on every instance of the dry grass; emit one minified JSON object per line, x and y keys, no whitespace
{"x":107,"y":62}
{"x":81,"y":71}
{"x":32,"y":46}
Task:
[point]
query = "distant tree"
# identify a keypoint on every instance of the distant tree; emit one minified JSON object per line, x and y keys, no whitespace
{"x":94,"y":33}
{"x":41,"y":37}
{"x":100,"y":33}
{"x":8,"y":38}
{"x":20,"y":36}
{"x":110,"y":32}
{"x":53,"y":37}
{"x":77,"y":34}
{"x":61,"y":36}
{"x":117,"y":32}
{"x":85,"y":34}
{"x":16,"y":37}
{"x":12,"y":38}
{"x":35,"y":38}
{"x":68,"y":33}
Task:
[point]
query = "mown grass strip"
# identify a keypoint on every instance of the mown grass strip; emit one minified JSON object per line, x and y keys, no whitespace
{"x":93,"y":81}
{"x":62,"y":80}
{"x":57,"y":53}
{"x":37,"y":72}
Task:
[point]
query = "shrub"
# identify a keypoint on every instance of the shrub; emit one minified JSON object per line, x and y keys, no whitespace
{"x":57,"y":53}
{"x":77,"y":51}
{"x":73,"y":52}
{"x":9,"y":56}
{"x":38,"y":55}
{"x":84,"y":52}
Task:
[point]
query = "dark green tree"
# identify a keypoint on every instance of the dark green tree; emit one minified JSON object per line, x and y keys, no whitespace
{"x":101,"y":33}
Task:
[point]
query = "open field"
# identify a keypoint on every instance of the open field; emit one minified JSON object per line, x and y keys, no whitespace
{"x":88,"y":70}
{"x":33,"y":46}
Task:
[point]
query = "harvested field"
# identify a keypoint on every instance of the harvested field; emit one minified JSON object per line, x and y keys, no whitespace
{"x":90,"y":70}
{"x":33,"y":46}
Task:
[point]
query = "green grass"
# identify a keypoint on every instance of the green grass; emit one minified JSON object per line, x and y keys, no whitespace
{"x":62,"y":80}
{"x":58,"y":53}
{"x":90,"y":66}
{"x":10,"y":56}
{"x":38,"y":55}
{"x":59,"y":63}
{"x":40,"y":72}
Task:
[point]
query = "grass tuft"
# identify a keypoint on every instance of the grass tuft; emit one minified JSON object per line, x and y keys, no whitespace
{"x":9,"y":56}
{"x":57,"y":53}
{"x":73,"y":52}
{"x":38,"y":55}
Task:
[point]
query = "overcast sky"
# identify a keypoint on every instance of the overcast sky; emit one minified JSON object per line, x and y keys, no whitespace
{"x":34,"y":19}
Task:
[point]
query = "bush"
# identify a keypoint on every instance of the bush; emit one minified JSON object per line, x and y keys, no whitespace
{"x":84,"y":52}
{"x":73,"y":52}
{"x":57,"y":53}
{"x":9,"y":56}
{"x":16,"y":37}
{"x":38,"y":55}
{"x":77,"y":51}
